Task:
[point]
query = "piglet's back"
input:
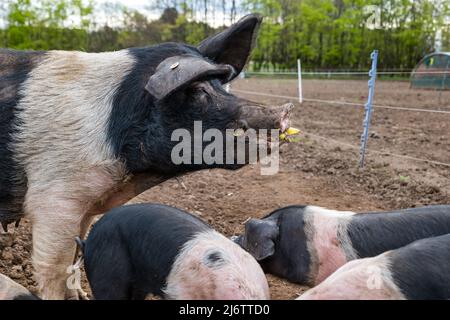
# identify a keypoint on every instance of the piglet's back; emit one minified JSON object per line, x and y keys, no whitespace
{"x":139,"y":241}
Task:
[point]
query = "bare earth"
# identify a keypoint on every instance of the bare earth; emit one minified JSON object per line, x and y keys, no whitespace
{"x":313,"y":170}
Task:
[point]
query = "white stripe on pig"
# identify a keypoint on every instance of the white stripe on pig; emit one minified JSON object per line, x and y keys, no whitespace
{"x":331,"y":247}
{"x":10,"y":290}
{"x":66,"y":105}
{"x":233,"y":275}
{"x":62,"y":145}
{"x":363,"y":279}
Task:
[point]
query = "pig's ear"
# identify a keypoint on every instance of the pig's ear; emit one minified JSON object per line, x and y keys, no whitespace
{"x":178,"y":72}
{"x":259,"y":238}
{"x":233,"y":45}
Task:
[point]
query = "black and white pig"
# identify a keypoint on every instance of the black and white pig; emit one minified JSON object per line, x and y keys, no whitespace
{"x":305,"y":244}
{"x":418,"y":271}
{"x":11,"y":290}
{"x":81,"y":133}
{"x":142,"y":249}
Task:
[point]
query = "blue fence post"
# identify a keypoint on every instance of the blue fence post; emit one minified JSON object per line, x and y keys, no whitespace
{"x":368,"y":107}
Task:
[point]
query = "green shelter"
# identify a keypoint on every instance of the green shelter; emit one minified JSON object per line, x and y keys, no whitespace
{"x":432,"y":72}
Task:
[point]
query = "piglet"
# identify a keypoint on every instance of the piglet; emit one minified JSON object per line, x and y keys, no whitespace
{"x":305,"y":244}
{"x":10,"y":290}
{"x":418,"y":271}
{"x":148,"y":249}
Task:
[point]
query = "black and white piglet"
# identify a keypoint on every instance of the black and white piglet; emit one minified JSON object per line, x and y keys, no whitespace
{"x":143,"y":249}
{"x":305,"y":244}
{"x":419,"y":271}
{"x":11,"y":290}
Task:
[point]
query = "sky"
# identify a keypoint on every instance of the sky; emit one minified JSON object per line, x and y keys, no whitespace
{"x":134,"y":4}
{"x":142,"y":5}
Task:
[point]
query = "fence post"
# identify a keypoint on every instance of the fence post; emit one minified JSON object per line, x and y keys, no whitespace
{"x":368,"y":107}
{"x":299,"y":70}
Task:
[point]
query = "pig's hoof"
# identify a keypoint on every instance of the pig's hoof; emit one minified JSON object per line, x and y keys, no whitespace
{"x":82,"y":295}
{"x":77,"y":294}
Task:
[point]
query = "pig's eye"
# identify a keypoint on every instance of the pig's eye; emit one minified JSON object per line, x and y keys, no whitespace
{"x":201,"y":92}
{"x":201,"y":97}
{"x":199,"y":88}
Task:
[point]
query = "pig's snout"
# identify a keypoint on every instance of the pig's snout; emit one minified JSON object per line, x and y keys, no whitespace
{"x":285,"y":115}
{"x":260,"y":117}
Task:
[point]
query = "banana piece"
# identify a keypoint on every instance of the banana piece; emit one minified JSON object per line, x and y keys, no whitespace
{"x":288,"y":133}
{"x":291,"y":131}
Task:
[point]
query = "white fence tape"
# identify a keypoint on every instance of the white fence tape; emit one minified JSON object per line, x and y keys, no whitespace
{"x":340,"y":102}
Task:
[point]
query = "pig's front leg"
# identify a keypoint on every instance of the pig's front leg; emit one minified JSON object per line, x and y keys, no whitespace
{"x":61,"y":212}
{"x":84,"y":228}
{"x":56,"y":222}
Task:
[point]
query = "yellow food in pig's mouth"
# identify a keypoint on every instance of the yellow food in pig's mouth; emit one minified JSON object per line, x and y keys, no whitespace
{"x":291,"y":131}
{"x":288,"y":134}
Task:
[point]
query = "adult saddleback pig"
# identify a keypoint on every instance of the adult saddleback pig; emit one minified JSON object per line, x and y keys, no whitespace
{"x":80,"y":133}
{"x":305,"y":244}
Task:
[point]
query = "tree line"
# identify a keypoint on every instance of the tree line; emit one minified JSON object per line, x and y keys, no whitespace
{"x":325,"y":34}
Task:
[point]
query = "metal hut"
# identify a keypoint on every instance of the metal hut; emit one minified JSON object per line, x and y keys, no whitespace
{"x":432,"y":72}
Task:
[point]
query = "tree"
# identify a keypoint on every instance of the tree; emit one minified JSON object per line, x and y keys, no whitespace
{"x":325,"y":34}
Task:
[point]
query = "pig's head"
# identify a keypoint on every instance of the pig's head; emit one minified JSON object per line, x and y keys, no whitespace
{"x":280,"y":243}
{"x":172,"y":86}
{"x":259,"y":238}
{"x":212,"y":267}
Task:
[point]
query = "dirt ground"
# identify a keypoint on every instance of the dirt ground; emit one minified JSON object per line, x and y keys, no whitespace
{"x":312,"y":171}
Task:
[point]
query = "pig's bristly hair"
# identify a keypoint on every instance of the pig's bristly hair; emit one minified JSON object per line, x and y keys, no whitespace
{"x":210,"y":266}
{"x":422,"y":269}
{"x":397,"y":228}
{"x":15,"y":67}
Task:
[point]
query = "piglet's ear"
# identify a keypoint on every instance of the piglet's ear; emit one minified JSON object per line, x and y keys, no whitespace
{"x":233,"y":45}
{"x":178,"y":72}
{"x":259,"y":238}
